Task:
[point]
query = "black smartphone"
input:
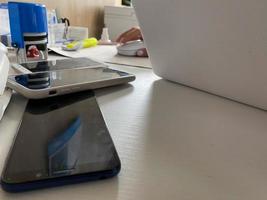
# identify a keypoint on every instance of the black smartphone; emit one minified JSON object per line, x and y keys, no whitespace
{"x":62,"y":64}
{"x":61,"y":140}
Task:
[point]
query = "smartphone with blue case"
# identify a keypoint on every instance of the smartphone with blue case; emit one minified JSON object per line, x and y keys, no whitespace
{"x":61,"y":140}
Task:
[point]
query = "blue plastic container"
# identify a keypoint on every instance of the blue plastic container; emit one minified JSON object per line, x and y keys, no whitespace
{"x":26,"y":19}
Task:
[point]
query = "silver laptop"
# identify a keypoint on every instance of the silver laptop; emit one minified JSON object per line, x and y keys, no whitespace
{"x":219,"y":46}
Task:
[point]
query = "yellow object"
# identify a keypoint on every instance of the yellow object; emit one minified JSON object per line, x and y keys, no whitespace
{"x":90,"y":42}
{"x":86,"y":43}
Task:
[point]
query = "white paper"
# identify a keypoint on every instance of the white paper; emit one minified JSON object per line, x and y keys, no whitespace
{"x":4,"y":101}
{"x":4,"y":20}
{"x":105,"y":53}
{"x":4,"y":68}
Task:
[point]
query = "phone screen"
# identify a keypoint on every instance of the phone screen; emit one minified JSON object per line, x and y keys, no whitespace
{"x":72,"y":63}
{"x":59,"y":78}
{"x":60,"y":136}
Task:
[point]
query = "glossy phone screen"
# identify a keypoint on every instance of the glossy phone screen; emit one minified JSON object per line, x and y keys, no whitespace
{"x":51,"y":65}
{"x":62,"y":78}
{"x":60,"y":136}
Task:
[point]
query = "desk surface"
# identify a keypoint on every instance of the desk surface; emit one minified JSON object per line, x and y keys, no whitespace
{"x":174,"y":143}
{"x":105,"y":53}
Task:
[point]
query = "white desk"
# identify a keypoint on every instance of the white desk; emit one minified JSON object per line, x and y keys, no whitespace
{"x":174,"y":143}
{"x":105,"y":53}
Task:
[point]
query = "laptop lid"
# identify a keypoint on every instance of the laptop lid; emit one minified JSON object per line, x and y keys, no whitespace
{"x":219,"y":46}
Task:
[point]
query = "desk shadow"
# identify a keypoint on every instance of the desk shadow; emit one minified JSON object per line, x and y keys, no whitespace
{"x":100,"y":189}
{"x":195,"y":139}
{"x":173,"y":104}
{"x":181,"y":112}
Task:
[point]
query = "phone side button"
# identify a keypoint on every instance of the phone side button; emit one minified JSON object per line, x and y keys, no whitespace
{"x":52,"y":92}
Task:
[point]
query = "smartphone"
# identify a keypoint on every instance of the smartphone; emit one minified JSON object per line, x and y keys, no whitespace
{"x":62,"y":64}
{"x":61,"y":140}
{"x":53,"y":83}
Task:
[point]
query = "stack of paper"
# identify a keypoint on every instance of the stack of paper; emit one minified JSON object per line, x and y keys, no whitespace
{"x":4,"y":101}
{"x":4,"y":67}
{"x":5,"y":94}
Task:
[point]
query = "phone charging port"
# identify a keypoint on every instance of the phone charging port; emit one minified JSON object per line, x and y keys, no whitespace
{"x":52,"y":92}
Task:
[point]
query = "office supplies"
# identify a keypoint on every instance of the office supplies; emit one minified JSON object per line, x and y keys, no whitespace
{"x":51,"y":17}
{"x":77,"y":33}
{"x":215,"y":46}
{"x":28,"y":24}
{"x":69,"y":143}
{"x":5,"y":37}
{"x":130,"y":48}
{"x":4,"y":19}
{"x":105,"y":38}
{"x":4,"y":101}
{"x":76,"y":45}
{"x":5,"y":94}
{"x":105,"y":53}
{"x":3,"y":48}
{"x":4,"y":68}
{"x":65,"y":21}
{"x":6,"y":40}
{"x":56,"y":34}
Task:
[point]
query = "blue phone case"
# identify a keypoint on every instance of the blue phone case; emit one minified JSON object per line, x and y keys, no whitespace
{"x":67,"y":180}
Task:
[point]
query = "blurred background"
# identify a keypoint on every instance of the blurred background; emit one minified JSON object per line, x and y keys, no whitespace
{"x":91,"y":13}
